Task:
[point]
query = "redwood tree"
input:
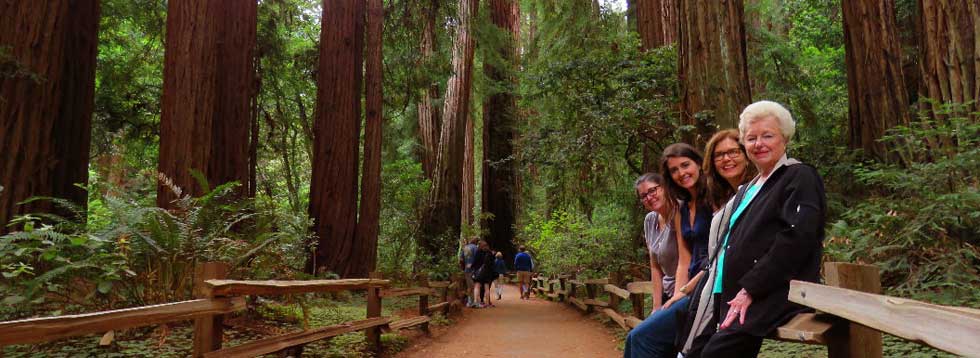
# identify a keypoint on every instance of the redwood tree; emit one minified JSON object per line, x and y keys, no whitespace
{"x":499,"y":126}
{"x":208,"y":76}
{"x":369,"y":220}
{"x":712,"y":68}
{"x":429,"y":116}
{"x":656,"y":22}
{"x":441,"y":218}
{"x":47,"y":84}
{"x":948,"y":52}
{"x":333,"y":191}
{"x":875,"y":87}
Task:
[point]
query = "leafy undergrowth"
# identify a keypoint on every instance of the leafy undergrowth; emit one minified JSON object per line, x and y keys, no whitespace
{"x":891,"y":347}
{"x":265,"y":319}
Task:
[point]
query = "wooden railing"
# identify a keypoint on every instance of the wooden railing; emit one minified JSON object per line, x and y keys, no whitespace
{"x":218,"y":297}
{"x":852,"y":313}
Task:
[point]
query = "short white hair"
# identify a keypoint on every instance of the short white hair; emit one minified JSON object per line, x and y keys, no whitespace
{"x":766,"y":109}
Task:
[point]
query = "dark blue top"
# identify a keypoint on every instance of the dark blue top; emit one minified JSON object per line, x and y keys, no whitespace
{"x":522,"y":262}
{"x":696,"y":237}
{"x":500,"y":267}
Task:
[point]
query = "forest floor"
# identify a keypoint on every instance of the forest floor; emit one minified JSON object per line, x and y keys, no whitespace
{"x":519,"y":328}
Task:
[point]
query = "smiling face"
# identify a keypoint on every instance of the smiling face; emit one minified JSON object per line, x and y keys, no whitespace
{"x":765,"y":143}
{"x":729,"y":161}
{"x":684,"y":171}
{"x":651,"y":195}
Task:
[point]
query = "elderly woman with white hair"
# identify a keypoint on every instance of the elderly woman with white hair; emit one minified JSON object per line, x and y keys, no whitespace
{"x":774,"y":234}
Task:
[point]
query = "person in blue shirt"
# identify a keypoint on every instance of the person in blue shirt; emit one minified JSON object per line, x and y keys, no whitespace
{"x":524,"y":266}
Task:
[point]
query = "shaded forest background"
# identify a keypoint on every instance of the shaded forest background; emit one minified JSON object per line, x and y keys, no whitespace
{"x":521,"y":122}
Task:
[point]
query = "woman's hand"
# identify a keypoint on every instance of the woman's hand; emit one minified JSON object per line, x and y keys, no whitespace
{"x":737,"y":308}
{"x":677,"y":297}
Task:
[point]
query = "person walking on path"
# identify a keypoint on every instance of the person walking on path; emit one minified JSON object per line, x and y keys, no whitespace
{"x":483,"y":273}
{"x":524,"y":265}
{"x":467,"y":255}
{"x":500,"y":268}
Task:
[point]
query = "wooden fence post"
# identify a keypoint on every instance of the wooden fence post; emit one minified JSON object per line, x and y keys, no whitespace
{"x":637,"y":300}
{"x":562,"y":295}
{"x":424,"y":304}
{"x":208,"y":331}
{"x":614,"y":279}
{"x":590,"y":291}
{"x":856,"y":341}
{"x":373,"y":335}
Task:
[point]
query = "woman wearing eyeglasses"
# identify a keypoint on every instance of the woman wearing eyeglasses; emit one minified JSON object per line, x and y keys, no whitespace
{"x":654,"y":337}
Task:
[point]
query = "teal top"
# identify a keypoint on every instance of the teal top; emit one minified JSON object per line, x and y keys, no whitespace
{"x":749,"y":195}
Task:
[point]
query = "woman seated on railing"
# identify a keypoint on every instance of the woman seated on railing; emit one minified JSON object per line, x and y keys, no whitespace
{"x":774,"y":235}
{"x":725,"y":169}
{"x":654,"y":337}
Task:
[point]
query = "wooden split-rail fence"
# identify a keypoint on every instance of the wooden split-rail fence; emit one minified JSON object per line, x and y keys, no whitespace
{"x":851,"y":312}
{"x":217,"y":297}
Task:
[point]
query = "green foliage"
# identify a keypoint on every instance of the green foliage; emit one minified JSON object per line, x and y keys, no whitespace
{"x":568,"y":242}
{"x":402,"y":190}
{"x":920,"y":224}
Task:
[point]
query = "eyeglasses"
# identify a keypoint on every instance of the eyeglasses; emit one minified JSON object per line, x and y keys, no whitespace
{"x":732,"y":154}
{"x":650,"y":192}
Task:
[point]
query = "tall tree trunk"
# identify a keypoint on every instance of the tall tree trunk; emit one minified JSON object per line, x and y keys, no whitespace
{"x":429,"y":116}
{"x":712,"y":67}
{"x":876,"y":90}
{"x":368,"y":223}
{"x":207,"y":89}
{"x":949,"y":53}
{"x":45,"y":102}
{"x":333,"y":191}
{"x":656,"y":22}
{"x":442,"y":216}
{"x":469,"y":177}
{"x":499,"y":132}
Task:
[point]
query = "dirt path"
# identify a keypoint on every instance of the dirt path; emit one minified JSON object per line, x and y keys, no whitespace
{"x":519,"y":328}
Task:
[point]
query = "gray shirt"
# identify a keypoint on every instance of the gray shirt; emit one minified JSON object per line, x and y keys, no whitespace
{"x":662,"y":245}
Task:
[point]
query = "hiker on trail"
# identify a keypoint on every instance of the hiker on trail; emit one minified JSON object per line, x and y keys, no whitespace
{"x":483,"y":273}
{"x":467,"y":255}
{"x":500,"y":268}
{"x":524,"y":265}
{"x":725,"y":169}
{"x":669,"y":257}
{"x":774,"y":235}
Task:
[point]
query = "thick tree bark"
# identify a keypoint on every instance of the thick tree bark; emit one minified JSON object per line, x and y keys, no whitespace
{"x":333,"y":191}
{"x":656,"y":22}
{"x":469,"y":176}
{"x":713,"y":71}
{"x":429,"y":116}
{"x":499,"y":133}
{"x":876,"y":90}
{"x":368,"y":224}
{"x":47,"y":85}
{"x":442,"y":216}
{"x":207,"y":95}
{"x":949,"y":53}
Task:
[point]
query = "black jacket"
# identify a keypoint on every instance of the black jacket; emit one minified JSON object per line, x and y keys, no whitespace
{"x":778,"y":238}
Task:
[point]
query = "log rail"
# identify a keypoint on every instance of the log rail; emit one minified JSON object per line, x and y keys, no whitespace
{"x":850,"y":319}
{"x":217,"y":297}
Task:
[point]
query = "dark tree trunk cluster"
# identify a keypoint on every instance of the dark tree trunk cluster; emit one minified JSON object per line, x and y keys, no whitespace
{"x":208,"y":87}
{"x":48,"y":53}
{"x":499,"y":133}
{"x":712,"y":66}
